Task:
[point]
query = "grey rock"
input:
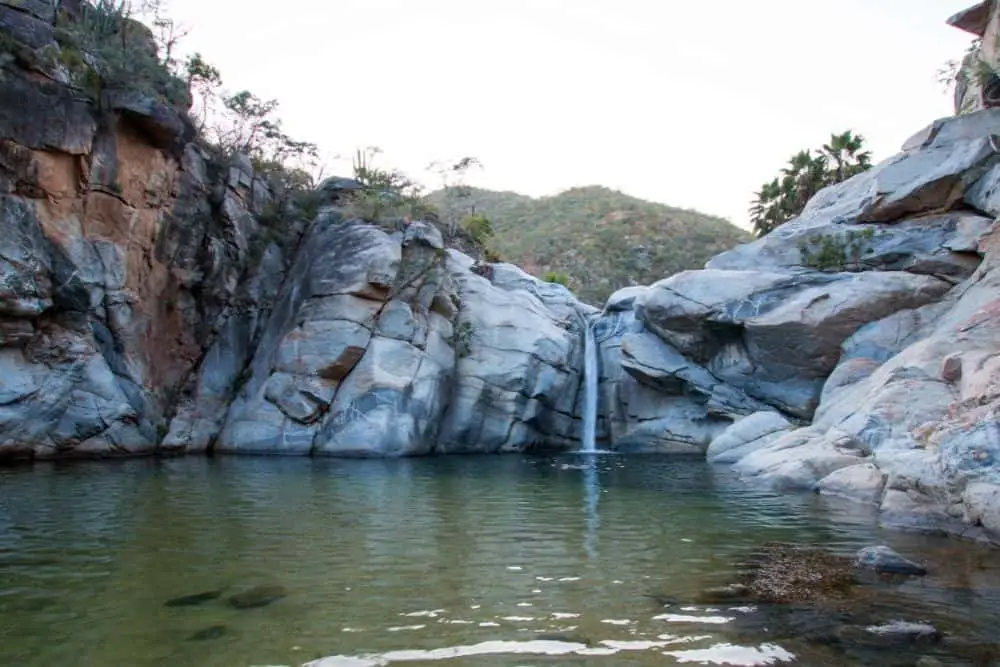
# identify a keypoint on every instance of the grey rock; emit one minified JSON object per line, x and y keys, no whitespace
{"x":15,"y":333}
{"x":45,"y":116}
{"x":624,"y":299}
{"x":298,"y":402}
{"x":193,"y":599}
{"x":24,"y":27}
{"x":162,"y":125}
{"x":893,"y":633}
{"x":796,"y":460}
{"x":25,"y":262}
{"x":861,"y":483}
{"x":982,"y":507}
{"x":258,"y":596}
{"x":884,"y":560}
{"x":45,"y":10}
{"x":212,"y":632}
{"x":336,"y":185}
{"x":656,"y":364}
{"x":424,"y":233}
{"x":390,"y":405}
{"x":747,"y":435}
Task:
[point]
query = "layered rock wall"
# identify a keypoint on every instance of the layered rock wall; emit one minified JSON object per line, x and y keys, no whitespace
{"x":158,"y":298}
{"x":852,"y":352}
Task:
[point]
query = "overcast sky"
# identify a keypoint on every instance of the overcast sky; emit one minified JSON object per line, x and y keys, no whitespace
{"x":693,"y":103}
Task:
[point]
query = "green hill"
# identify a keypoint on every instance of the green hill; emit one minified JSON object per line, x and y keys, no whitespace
{"x":600,"y":238}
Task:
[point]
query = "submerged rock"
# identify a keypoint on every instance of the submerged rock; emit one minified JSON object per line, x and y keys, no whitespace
{"x":783,"y":573}
{"x":885,"y":560}
{"x":258,"y":596}
{"x":567,"y":638}
{"x":192,"y":600}
{"x":213,"y":632}
{"x":892,"y":634}
{"x":732,"y":593}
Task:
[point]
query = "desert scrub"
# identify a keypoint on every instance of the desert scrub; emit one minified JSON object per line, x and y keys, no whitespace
{"x":106,"y":49}
{"x":557,"y":278}
{"x":461,"y":338}
{"x":836,"y":251}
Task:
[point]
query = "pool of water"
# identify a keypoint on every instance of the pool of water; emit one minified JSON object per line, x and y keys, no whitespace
{"x":447,"y":561}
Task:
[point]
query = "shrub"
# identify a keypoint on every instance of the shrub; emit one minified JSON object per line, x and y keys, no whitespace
{"x":478,"y":227}
{"x":836,"y":251}
{"x":387,"y":194}
{"x":461,"y":338}
{"x":492,"y":255}
{"x":557,"y":278}
{"x":106,"y":48}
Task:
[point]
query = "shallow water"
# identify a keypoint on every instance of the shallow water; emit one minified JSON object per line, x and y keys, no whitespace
{"x":444,"y":561}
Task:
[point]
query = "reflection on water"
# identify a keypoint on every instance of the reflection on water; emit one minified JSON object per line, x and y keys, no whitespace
{"x":591,"y":491}
{"x":471,"y":560}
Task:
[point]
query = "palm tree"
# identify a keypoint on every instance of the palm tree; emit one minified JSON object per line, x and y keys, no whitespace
{"x":807,"y":173}
{"x":845,"y":151}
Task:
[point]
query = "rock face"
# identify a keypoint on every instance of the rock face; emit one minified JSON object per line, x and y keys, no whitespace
{"x":389,"y":345}
{"x":157,"y":298}
{"x":867,"y":371}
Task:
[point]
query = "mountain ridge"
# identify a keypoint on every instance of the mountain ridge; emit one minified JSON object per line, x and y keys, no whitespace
{"x":601,"y":238}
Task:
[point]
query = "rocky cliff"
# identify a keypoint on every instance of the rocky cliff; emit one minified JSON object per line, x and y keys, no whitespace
{"x":156,"y":297}
{"x":152,"y":301}
{"x":855,"y":351}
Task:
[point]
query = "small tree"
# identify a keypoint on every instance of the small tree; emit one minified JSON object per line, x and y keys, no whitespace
{"x":808,"y":172}
{"x":203,"y":81}
{"x":456,"y":193}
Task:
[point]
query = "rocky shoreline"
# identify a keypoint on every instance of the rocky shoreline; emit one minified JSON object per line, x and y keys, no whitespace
{"x":873,"y":377}
{"x":154,"y":300}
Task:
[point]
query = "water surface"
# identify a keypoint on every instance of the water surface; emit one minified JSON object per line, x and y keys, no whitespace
{"x":572,"y":559}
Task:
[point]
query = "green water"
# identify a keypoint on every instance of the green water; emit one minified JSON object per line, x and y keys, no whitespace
{"x":417,"y":556}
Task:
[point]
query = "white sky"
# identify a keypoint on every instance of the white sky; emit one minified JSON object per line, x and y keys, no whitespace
{"x":690,"y":103}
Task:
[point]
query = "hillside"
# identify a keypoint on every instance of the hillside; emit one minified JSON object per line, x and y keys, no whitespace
{"x":601,"y":238}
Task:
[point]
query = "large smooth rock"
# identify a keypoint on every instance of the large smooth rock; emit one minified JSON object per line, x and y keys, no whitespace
{"x":693,"y":310}
{"x":161,"y":124}
{"x":949,"y":164}
{"x":885,"y":560}
{"x":391,"y":404}
{"x":654,"y":363}
{"x":796,"y":460}
{"x":518,"y":373}
{"x":861,"y":483}
{"x":982,"y":507}
{"x":944,"y":245}
{"x":797,"y":344}
{"x":747,"y":435}
{"x":387,"y":345}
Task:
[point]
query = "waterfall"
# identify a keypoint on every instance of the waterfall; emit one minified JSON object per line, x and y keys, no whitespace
{"x":589,"y":435}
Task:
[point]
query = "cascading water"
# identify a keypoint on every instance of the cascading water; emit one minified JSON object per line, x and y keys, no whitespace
{"x":589,"y":435}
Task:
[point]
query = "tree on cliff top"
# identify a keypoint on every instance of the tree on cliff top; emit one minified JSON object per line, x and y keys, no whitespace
{"x":808,"y":172}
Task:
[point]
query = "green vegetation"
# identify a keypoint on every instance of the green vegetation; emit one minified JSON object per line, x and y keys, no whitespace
{"x":387,"y":195}
{"x":972,"y":70}
{"x":807,"y":173}
{"x":120,"y":46}
{"x":106,"y":48}
{"x":461,"y":338}
{"x":836,"y":251}
{"x":557,"y":278}
{"x":599,"y":239}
